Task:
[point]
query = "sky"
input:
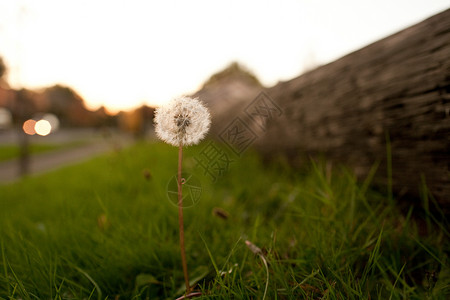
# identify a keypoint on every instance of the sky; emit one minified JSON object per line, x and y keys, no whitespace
{"x":125,"y":53}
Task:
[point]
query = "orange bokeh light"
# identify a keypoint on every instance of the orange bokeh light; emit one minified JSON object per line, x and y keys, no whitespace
{"x":28,"y":127}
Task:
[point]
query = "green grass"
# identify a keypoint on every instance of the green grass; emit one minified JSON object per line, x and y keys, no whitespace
{"x":8,"y":152}
{"x":103,"y":230}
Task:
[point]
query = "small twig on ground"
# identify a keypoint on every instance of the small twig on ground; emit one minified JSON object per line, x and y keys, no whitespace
{"x":256,"y":250}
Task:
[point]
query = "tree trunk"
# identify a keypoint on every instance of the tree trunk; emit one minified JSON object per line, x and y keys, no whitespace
{"x":397,"y":90}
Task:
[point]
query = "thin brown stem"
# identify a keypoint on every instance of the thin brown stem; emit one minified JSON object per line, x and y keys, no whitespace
{"x":180,"y":219}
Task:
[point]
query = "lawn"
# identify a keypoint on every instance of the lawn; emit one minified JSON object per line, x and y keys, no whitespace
{"x":106,"y":229}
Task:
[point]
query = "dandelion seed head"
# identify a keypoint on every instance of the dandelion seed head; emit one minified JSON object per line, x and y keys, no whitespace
{"x":183,"y":121}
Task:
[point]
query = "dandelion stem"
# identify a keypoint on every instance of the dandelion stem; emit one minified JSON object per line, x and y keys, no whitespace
{"x":180,"y":218}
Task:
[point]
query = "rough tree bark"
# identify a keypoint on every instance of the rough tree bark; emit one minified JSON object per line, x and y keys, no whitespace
{"x":398,"y":87}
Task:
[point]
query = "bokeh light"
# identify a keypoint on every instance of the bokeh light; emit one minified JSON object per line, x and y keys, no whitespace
{"x":28,"y":127}
{"x":43,"y":127}
{"x":5,"y":118}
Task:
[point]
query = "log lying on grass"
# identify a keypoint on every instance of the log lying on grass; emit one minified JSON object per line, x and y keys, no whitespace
{"x":396,"y":89}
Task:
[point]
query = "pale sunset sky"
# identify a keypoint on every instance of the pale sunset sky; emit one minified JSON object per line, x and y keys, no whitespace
{"x":124,"y":53}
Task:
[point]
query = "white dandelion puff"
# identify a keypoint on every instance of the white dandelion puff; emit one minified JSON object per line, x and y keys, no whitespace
{"x":183,"y":121}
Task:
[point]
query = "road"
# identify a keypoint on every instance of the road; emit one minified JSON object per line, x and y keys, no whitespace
{"x":94,"y":143}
